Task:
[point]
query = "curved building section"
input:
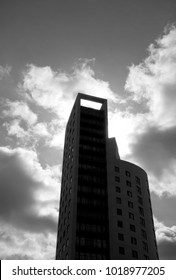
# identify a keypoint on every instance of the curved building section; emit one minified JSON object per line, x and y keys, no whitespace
{"x":131,"y":227}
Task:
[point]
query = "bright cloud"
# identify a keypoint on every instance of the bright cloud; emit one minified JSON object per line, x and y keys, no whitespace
{"x":20,"y":110}
{"x":155,"y":80}
{"x":166,"y":239}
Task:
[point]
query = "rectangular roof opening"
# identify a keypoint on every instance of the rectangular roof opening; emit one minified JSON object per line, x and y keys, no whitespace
{"x":91,"y":104}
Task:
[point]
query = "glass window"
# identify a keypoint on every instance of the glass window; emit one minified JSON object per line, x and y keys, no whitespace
{"x":140,"y":200}
{"x":120,"y":224}
{"x":133,"y":240}
{"x":120,"y":236}
{"x":130,"y":204}
{"x":143,"y":233}
{"x":118,"y":200}
{"x":137,"y":180}
{"x":118,"y":189}
{"x":128,"y":174}
{"x":63,"y":248}
{"x":116,"y":169}
{"x":139,"y":190}
{"x":142,"y":222}
{"x":131,"y":216}
{"x":122,"y":250}
{"x":129,"y":194}
{"x":135,"y":254}
{"x":146,"y":257}
{"x":117,"y":179}
{"x":128,"y":183}
{"x":119,"y":212}
{"x":145,"y":246}
{"x":141,"y":211}
{"x":132,"y":228}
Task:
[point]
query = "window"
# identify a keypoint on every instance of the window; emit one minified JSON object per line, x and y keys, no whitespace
{"x":122,"y":250}
{"x":133,"y":240}
{"x":119,"y":212}
{"x":120,"y":236}
{"x":117,"y":179}
{"x":131,"y":216}
{"x":118,"y":189}
{"x":143,"y":233}
{"x":145,"y":246}
{"x":138,"y":180}
{"x":128,"y":174}
{"x":141,"y":211}
{"x":128,"y":183}
{"x":63,"y":248}
{"x":129,"y":193}
{"x":120,"y":224}
{"x":116,"y":169}
{"x":68,"y":228}
{"x":146,"y":257}
{"x":132,"y":228}
{"x":139,"y":190}
{"x":140,"y":200}
{"x":134,"y":254}
{"x":118,"y":200}
{"x":142,"y":222}
{"x":130,"y":204}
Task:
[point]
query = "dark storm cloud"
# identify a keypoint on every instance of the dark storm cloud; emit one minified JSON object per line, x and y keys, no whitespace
{"x":18,"y":201}
{"x":155,"y":149}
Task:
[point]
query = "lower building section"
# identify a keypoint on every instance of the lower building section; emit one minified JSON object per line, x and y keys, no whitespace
{"x":131,"y":228}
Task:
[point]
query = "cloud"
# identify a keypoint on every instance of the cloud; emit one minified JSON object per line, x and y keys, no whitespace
{"x":19,"y":244}
{"x":5,"y":71}
{"x":154,"y":80}
{"x":164,"y":207}
{"x":155,"y":149}
{"x":166,"y":239}
{"x":56,"y":90}
{"x":20,"y":110}
{"x":28,"y":205}
{"x":26,"y":198}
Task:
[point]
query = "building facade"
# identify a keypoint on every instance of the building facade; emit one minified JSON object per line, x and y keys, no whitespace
{"x":105,"y":208}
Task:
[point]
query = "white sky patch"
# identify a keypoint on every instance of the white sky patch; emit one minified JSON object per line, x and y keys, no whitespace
{"x":125,"y":127}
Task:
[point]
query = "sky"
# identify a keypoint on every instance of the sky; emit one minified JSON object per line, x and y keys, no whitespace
{"x":121,"y":50}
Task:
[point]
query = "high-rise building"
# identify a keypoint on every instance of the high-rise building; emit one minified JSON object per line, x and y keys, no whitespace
{"x":105,"y":208}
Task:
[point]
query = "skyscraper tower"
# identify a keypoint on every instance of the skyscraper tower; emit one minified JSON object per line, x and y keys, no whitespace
{"x":105,"y":209}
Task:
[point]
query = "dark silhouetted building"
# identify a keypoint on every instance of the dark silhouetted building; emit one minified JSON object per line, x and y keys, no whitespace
{"x":105,"y":208}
